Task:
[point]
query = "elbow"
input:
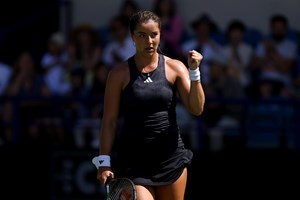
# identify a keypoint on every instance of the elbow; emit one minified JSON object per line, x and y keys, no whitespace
{"x":197,"y":112}
{"x":196,"y":108}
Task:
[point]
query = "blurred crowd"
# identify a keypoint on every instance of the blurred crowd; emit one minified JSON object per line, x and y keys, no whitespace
{"x":59,"y":94}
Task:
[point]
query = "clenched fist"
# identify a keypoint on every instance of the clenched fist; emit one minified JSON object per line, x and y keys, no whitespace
{"x":194,"y":59}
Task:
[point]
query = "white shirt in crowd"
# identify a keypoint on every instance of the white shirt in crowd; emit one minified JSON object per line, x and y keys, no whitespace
{"x":5,"y":74}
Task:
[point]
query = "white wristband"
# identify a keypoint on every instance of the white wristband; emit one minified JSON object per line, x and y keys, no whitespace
{"x":194,"y":74}
{"x":101,"y":161}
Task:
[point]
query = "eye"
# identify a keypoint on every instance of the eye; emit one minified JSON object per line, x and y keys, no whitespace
{"x":153,"y":35}
{"x":141,"y":35}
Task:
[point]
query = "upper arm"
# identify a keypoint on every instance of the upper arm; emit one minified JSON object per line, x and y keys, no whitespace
{"x":112,"y":95}
{"x":182,"y":80}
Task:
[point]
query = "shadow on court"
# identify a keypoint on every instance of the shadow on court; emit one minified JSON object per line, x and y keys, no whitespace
{"x":27,"y":171}
{"x":239,"y":175}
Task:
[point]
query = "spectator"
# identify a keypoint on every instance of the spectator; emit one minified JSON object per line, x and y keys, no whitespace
{"x":203,"y":43}
{"x":99,"y":81}
{"x":172,"y":27}
{"x":128,"y":7}
{"x":77,"y":109}
{"x":120,"y":47}
{"x":238,"y":53}
{"x":268,"y":122}
{"x":26,"y":82}
{"x":5,"y":74}
{"x":275,"y":56}
{"x":84,"y":50}
{"x":54,"y":63}
{"x":85,"y":123}
{"x":220,"y":116}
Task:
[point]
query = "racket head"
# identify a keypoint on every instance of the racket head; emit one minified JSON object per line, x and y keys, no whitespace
{"x":120,"y":189}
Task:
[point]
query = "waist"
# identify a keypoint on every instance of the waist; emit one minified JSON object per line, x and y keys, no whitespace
{"x":155,"y":122}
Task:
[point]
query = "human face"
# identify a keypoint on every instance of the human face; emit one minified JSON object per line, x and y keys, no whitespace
{"x":278,"y":30}
{"x":118,"y":30}
{"x":236,"y":36}
{"x":146,"y":37}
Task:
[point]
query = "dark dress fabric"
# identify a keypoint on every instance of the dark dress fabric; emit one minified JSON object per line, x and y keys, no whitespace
{"x":150,"y":149}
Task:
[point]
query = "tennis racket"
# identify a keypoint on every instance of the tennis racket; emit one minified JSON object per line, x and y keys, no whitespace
{"x":120,"y":189}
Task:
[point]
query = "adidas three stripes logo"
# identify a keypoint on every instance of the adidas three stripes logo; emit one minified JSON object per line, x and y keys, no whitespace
{"x":148,"y":80}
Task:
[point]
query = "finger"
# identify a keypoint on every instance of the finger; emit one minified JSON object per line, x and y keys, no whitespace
{"x":196,"y":56}
{"x":104,"y":181}
{"x":194,"y":52}
{"x":111,"y":175}
{"x":191,"y":53}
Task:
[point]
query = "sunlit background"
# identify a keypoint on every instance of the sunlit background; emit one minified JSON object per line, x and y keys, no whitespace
{"x":54,"y":59}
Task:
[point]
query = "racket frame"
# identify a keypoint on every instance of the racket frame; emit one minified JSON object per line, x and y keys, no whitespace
{"x":110,"y":180}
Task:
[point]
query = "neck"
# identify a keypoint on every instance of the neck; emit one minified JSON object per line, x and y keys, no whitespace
{"x":146,"y":61}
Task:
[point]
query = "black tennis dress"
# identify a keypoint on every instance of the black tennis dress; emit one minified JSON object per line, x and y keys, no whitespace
{"x":150,"y":149}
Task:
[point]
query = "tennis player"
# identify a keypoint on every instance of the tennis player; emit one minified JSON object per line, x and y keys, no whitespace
{"x":143,"y":89}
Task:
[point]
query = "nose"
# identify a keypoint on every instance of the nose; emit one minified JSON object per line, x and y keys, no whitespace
{"x":149,"y":40}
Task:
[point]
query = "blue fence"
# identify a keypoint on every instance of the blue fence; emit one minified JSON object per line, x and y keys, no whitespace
{"x":262,"y":123}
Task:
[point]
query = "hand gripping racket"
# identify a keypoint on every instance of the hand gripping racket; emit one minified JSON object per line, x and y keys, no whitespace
{"x":120,"y":189}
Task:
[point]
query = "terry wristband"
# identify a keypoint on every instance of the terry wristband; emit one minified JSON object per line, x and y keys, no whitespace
{"x":194,"y":74}
{"x":101,"y":161}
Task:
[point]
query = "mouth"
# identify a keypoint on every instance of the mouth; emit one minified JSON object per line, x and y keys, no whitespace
{"x":150,"y":49}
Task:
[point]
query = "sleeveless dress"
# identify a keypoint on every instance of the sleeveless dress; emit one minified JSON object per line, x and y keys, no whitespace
{"x":150,"y":150}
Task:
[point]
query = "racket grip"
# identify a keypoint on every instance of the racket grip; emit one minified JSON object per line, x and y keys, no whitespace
{"x":107,"y":190}
{"x":108,"y":179}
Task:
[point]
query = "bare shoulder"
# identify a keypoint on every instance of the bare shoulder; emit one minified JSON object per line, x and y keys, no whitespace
{"x":119,"y":69}
{"x":175,"y":65}
{"x":119,"y":73}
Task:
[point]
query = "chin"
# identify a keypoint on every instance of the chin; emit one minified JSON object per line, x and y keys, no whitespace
{"x":152,"y":52}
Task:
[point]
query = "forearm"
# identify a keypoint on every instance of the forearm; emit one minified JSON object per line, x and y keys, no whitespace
{"x":196,"y":98}
{"x":196,"y":93}
{"x":105,"y":145}
{"x":107,"y":137}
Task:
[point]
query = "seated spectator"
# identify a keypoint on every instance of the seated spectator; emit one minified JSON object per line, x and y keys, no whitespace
{"x":85,"y":114}
{"x":84,"y":50}
{"x":238,"y":53}
{"x":296,"y":81}
{"x":172,"y":27}
{"x":220,"y":117}
{"x":120,"y":47}
{"x":275,"y":56}
{"x":127,"y":8}
{"x":54,"y":64}
{"x":26,"y":82}
{"x":99,"y":80}
{"x":5,"y":74}
{"x":203,"y":43}
{"x":267,"y":122}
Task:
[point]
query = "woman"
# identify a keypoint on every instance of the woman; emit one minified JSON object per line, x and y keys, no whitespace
{"x":143,"y":89}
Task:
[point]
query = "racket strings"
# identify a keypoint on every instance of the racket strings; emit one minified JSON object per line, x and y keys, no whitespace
{"x":121,"y":190}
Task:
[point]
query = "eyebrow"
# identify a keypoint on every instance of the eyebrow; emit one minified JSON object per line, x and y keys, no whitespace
{"x":141,"y":32}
